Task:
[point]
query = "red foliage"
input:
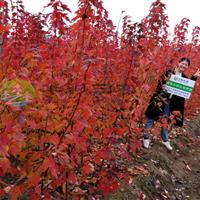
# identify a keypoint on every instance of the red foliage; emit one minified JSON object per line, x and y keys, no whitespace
{"x":92,"y":88}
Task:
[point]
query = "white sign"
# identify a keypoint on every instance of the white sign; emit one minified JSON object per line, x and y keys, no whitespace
{"x":180,"y":86}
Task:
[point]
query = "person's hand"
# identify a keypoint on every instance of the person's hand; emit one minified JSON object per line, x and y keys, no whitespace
{"x":197,"y":73}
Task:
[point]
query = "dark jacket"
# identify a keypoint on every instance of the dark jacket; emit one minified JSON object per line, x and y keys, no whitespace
{"x":160,"y":98}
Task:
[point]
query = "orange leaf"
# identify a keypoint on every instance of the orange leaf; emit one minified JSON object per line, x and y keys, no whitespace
{"x":33,"y":179}
{"x":142,"y":169}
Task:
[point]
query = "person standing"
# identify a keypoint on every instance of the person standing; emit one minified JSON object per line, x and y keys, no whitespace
{"x":162,"y":104}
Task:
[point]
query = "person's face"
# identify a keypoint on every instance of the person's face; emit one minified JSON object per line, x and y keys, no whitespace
{"x":182,"y":66}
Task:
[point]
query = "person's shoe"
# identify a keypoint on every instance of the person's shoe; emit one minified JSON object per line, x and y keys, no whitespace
{"x":167,"y":145}
{"x":146,"y":143}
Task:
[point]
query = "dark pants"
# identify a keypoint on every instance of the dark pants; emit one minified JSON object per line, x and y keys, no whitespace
{"x":150,"y":122}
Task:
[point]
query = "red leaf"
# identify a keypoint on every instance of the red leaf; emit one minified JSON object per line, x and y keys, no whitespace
{"x":105,"y":154}
{"x":164,"y":123}
{"x":15,"y":192}
{"x":108,"y":185}
{"x":87,"y":169}
{"x":72,"y":178}
{"x":134,"y":146}
{"x":65,"y":7}
{"x":54,"y":139}
{"x":120,"y":131}
{"x":4,"y":165}
{"x":81,"y":144}
{"x":50,"y":164}
{"x":2,"y":4}
{"x":147,"y":88}
{"x":2,"y":192}
{"x":140,"y":196}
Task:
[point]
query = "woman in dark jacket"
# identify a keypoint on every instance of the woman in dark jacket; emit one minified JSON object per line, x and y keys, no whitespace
{"x":162,"y":104}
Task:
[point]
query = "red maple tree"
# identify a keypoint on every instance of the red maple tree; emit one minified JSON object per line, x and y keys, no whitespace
{"x":92,"y":88}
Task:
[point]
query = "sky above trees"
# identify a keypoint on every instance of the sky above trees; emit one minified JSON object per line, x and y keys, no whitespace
{"x":137,"y":9}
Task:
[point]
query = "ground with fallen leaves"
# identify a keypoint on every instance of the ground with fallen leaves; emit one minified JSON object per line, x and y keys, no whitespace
{"x":167,"y":175}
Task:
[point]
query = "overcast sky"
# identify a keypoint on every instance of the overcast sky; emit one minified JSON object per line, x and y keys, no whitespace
{"x":137,"y":9}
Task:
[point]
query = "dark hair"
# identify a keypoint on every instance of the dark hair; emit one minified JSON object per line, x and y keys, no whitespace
{"x":185,"y":59}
